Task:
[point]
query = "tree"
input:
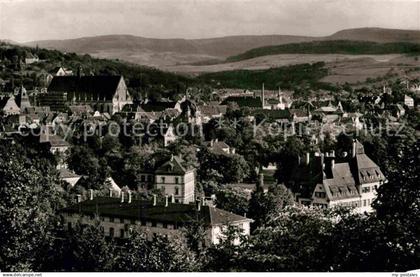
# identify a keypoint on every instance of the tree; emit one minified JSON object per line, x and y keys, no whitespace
{"x":161,"y":254}
{"x":232,"y":201}
{"x":263,"y":205}
{"x":84,"y":248}
{"x":29,"y":198}
{"x":84,"y":162}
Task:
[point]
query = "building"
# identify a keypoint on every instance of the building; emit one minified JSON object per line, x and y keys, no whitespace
{"x":30,"y":58}
{"x":171,"y":178}
{"x":409,"y":101}
{"x":219,"y":147}
{"x":103,"y":93}
{"x":323,"y":182}
{"x":22,"y":99}
{"x":55,"y":143}
{"x":209,"y":112}
{"x":117,"y":216}
{"x":8,"y":106}
{"x":69,"y":176}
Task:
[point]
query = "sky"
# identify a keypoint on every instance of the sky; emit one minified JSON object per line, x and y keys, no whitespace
{"x":29,"y":20}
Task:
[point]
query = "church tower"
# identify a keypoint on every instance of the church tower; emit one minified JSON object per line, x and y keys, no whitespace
{"x":24,"y":99}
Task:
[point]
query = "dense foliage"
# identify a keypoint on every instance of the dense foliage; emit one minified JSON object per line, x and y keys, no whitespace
{"x":331,"y":47}
{"x":287,"y":77}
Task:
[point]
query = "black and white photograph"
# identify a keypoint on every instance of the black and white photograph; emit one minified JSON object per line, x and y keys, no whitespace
{"x":203,"y":136}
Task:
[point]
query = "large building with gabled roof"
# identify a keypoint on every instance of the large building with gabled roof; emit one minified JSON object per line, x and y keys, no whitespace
{"x":322,"y":182}
{"x":117,"y":216}
{"x":103,"y":93}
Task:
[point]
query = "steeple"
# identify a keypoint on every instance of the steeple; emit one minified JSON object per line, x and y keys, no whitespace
{"x":24,"y":99}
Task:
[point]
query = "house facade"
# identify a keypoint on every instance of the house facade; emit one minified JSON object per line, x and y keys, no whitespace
{"x":117,"y":216}
{"x":321,"y":182}
{"x":172,"y":179}
{"x":9,"y":107}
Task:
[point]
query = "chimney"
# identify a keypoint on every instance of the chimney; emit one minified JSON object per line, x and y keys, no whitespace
{"x":203,"y":201}
{"x":154,"y":199}
{"x":79,"y":198}
{"x":353,"y":152}
{"x":172,"y":198}
{"x":307,"y":158}
{"x":332,"y":163}
{"x":198,"y":205}
{"x":332,"y":153}
{"x":166,"y":200}
{"x":110,"y":192}
{"x":129,"y":197}
{"x":91,"y":194}
{"x":122,"y":197}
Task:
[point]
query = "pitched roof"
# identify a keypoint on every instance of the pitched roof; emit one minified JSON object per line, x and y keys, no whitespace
{"x":212,"y":110}
{"x":81,"y":109}
{"x":172,"y":167}
{"x":65,"y":173}
{"x":368,"y":171}
{"x":104,"y":86}
{"x":158,"y":106}
{"x":174,"y":213}
{"x":342,"y":185}
{"x":244,"y":101}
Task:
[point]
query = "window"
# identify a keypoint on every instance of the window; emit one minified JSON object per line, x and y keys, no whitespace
{"x":364,"y":203}
{"x":162,"y":179}
{"x":320,"y":194}
{"x":365,"y":189}
{"x":111,"y":232}
{"x":121,"y":233}
{"x":176,"y":190}
{"x":176,"y":180}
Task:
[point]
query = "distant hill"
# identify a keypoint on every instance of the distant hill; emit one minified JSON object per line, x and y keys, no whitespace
{"x":348,"y":47}
{"x":169,"y":52}
{"x":377,"y":35}
{"x":219,"y":47}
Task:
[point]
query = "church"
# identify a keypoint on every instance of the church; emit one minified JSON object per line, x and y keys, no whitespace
{"x":103,"y":93}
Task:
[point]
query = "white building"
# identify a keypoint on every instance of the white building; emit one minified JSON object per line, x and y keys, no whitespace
{"x":408,"y":101}
{"x":172,"y":179}
{"x":117,"y":216}
{"x":352,"y":183}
